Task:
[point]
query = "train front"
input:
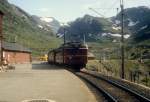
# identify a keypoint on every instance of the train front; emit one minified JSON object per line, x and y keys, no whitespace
{"x":75,"y":55}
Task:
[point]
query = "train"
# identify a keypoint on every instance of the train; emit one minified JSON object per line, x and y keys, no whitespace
{"x":73,"y":54}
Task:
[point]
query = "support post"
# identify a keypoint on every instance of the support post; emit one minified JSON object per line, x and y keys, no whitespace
{"x":64,"y":35}
{"x":122,"y":39}
{"x":64,"y":45}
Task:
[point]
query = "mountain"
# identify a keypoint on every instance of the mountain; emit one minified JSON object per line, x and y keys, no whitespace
{"x":47,"y":23}
{"x":137,"y":22}
{"x":20,"y":27}
{"x":95,"y":29}
{"x":90,"y":27}
{"x":136,"y":27}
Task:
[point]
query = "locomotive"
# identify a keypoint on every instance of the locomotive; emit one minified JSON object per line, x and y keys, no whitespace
{"x":73,"y":54}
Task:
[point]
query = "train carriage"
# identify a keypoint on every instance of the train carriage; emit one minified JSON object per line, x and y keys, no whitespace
{"x":73,"y":54}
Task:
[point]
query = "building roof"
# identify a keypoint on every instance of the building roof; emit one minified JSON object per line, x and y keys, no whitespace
{"x":15,"y":47}
{"x":1,"y":13}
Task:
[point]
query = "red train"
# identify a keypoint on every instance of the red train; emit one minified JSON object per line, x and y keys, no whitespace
{"x":72,"y":54}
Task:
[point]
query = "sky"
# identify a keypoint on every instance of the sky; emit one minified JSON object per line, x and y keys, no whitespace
{"x":69,"y":10}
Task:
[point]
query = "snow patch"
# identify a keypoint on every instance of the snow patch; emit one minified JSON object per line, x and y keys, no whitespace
{"x":47,"y":19}
{"x":115,"y":35}
{"x":119,"y":35}
{"x":131,"y":23}
{"x":117,"y":22}
{"x":104,"y":34}
{"x":46,"y":29}
{"x":49,"y":25}
{"x":144,"y":27}
{"x":116,"y":28}
{"x":114,"y":40}
{"x":60,"y":35}
{"x":40,"y":26}
{"x":126,"y":36}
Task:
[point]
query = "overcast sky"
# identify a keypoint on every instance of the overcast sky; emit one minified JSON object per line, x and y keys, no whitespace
{"x":68,"y":10}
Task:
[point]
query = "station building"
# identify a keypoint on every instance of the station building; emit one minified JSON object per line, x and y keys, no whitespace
{"x":16,"y":54}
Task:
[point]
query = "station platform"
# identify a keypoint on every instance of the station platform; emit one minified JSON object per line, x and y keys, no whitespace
{"x":42,"y":81}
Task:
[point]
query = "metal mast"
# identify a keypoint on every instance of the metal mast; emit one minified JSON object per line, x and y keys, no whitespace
{"x":84,"y":39}
{"x":122,"y":39}
{"x":64,"y":35}
{"x":64,"y":31}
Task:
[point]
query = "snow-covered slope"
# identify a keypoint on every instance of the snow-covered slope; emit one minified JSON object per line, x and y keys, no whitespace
{"x":47,"y":19}
{"x":47,"y":23}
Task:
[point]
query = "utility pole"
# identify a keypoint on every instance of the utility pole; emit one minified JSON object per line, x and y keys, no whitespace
{"x":64,"y":35}
{"x":122,"y":39}
{"x":64,"y":31}
{"x":84,"y":38}
{"x":63,"y":24}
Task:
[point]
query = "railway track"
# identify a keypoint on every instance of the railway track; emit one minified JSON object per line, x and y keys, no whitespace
{"x":112,"y":91}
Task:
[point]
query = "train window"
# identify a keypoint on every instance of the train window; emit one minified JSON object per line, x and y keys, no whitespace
{"x":75,"y":51}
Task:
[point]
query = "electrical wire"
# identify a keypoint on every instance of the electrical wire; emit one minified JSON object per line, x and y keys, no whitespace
{"x":111,"y":7}
{"x":106,"y":9}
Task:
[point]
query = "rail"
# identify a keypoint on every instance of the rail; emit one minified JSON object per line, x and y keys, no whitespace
{"x":137,"y":95}
{"x":107,"y":96}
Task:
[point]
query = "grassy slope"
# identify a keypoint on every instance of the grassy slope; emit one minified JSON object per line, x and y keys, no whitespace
{"x":112,"y":67}
{"x":24,"y":30}
{"x":111,"y":51}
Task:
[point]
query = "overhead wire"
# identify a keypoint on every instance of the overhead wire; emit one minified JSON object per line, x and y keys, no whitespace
{"x":106,"y":10}
{"x":111,"y":7}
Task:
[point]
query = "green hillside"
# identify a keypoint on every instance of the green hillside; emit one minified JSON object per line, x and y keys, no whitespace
{"x":19,"y":27}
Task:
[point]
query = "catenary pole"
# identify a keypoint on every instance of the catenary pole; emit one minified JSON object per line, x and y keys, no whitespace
{"x":122,"y":40}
